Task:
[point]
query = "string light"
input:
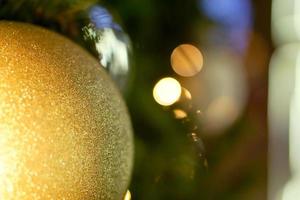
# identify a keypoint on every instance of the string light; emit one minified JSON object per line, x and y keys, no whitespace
{"x":167,"y":91}
{"x":179,"y":114}
{"x":186,"y":60}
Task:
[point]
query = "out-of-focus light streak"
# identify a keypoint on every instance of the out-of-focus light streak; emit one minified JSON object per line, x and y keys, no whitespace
{"x":284,"y":102}
{"x":291,"y":190}
{"x":294,"y":141}
{"x":167,"y":91}
{"x":281,"y":86}
{"x":297,"y":18}
{"x":285,"y":21}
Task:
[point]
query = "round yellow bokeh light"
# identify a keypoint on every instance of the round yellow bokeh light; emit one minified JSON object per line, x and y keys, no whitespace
{"x":186,"y":60}
{"x":167,"y":91}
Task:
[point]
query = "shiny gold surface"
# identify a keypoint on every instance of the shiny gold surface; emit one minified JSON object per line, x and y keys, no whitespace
{"x":64,"y":129}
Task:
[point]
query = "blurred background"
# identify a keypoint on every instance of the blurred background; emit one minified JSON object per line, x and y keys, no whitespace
{"x":196,"y":87}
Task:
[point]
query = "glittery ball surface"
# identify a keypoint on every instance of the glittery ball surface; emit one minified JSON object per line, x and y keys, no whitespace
{"x":64,"y":128}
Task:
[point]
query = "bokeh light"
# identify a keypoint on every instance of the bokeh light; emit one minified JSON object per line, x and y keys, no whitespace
{"x":179,"y":114}
{"x":221,"y":112}
{"x":281,"y":88}
{"x":186,"y":60}
{"x":230,"y":13}
{"x":234,"y":18}
{"x":285,"y":21}
{"x":220,"y":90}
{"x":186,"y":93}
{"x":291,"y":190}
{"x":167,"y":91}
{"x":284,"y":94}
{"x":127,"y":195}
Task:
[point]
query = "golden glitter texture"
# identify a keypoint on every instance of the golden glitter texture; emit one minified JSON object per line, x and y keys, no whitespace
{"x":64,"y":129}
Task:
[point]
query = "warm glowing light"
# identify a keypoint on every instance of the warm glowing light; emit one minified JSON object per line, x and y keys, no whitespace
{"x":194,"y":137}
{"x":186,"y":60}
{"x":285,"y":21}
{"x":186,"y":93}
{"x":291,"y":190}
{"x":284,"y":95}
{"x":221,"y":112}
{"x":167,"y":91}
{"x":127,"y":195}
{"x":179,"y":114}
{"x":220,"y":91}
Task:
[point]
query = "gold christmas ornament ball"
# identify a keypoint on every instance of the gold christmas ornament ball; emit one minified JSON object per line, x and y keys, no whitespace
{"x":64,"y":128}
